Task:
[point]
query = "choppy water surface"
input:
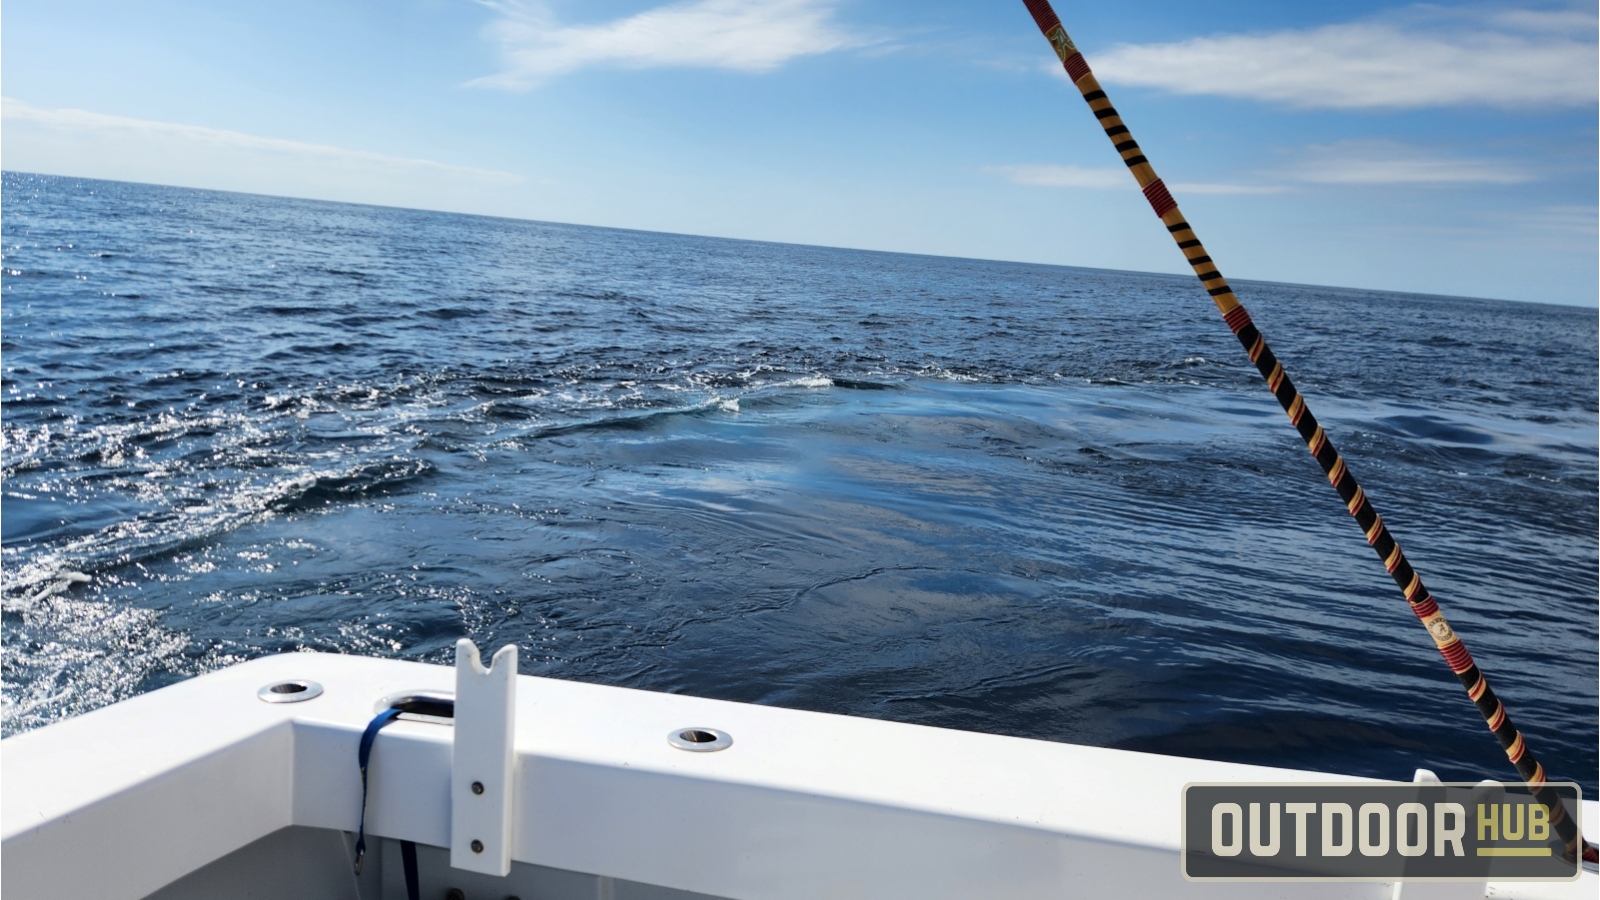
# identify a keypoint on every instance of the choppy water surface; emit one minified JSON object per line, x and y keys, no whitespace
{"x":1023,"y":499}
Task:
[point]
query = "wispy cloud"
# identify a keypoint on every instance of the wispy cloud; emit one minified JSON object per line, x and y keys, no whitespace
{"x":1113,"y":178}
{"x":741,"y":35}
{"x":1346,"y":163}
{"x":87,"y":144}
{"x":1392,"y":163}
{"x":1423,"y":56}
{"x":1583,"y":220}
{"x":83,"y":122}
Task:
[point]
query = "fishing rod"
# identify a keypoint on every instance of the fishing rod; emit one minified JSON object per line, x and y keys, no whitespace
{"x":1333,"y":465}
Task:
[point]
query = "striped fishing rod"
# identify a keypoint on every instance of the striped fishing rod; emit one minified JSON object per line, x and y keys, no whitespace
{"x":1355,"y":499}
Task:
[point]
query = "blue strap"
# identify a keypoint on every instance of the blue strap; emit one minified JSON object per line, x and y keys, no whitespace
{"x":363,"y":756}
{"x":408,"y":860}
{"x":408,"y":849}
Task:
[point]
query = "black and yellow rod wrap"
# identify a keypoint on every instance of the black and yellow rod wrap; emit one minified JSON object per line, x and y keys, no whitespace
{"x":1339,"y":475}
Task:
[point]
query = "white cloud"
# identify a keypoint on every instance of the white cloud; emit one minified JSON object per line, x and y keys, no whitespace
{"x":1584,"y":220}
{"x":1066,"y":176}
{"x":78,"y":120}
{"x":1346,"y":163}
{"x":97,"y":145}
{"x":1423,"y":56}
{"x":1391,"y":163}
{"x":1113,"y":178}
{"x":742,"y":35}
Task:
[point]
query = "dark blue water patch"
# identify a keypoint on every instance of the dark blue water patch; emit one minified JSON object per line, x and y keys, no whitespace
{"x":1436,"y":428}
{"x":850,"y":384}
{"x":452,"y":312}
{"x":953,"y":492}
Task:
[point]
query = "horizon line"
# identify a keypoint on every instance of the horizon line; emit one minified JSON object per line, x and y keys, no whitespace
{"x":718,"y":237}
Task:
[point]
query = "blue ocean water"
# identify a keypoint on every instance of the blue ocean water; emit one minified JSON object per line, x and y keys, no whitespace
{"x":1022,"y":499}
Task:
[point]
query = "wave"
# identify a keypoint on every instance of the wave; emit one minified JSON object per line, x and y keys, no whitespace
{"x":35,"y":573}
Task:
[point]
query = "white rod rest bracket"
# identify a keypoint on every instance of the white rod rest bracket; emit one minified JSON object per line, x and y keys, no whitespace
{"x":481,"y":775}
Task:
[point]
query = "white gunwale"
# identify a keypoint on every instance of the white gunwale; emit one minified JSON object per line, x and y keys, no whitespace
{"x":121,"y":801}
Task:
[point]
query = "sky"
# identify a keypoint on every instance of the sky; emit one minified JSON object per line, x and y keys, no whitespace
{"x":1437,"y":148}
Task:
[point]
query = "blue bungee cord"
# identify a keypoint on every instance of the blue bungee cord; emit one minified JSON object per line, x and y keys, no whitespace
{"x":408,"y":849}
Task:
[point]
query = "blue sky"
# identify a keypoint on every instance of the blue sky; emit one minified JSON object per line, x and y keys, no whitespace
{"x":1436,"y":148}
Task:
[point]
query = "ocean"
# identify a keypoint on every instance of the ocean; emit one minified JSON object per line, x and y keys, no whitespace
{"x":1031,"y":500}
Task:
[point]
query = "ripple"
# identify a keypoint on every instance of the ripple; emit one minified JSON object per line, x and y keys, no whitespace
{"x":954,"y":492}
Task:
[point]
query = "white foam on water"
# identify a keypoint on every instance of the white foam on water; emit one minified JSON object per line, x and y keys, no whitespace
{"x":68,"y":655}
{"x":811,"y":381}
